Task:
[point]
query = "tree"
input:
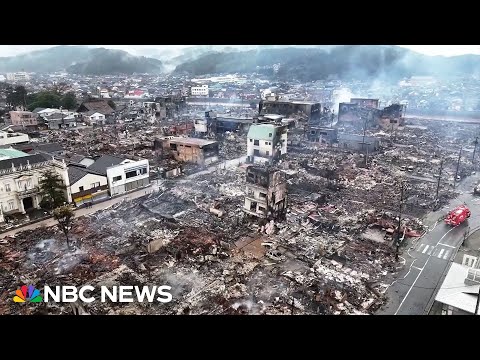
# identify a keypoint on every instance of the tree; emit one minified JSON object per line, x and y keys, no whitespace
{"x":16,"y":96}
{"x":45,"y":99}
{"x":52,"y":190}
{"x":69,"y":101}
{"x":112,"y":104}
{"x":64,"y":215}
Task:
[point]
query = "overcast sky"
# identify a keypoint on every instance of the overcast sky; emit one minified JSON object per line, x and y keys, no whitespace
{"x":446,"y":50}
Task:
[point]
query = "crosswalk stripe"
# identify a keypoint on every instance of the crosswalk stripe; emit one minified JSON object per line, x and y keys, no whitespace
{"x":425,"y":250}
{"x":447,"y":253}
{"x":441,"y":253}
{"x":420,"y":247}
{"x":430,"y":251}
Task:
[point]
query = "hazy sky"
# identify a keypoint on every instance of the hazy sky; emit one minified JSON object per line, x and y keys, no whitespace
{"x":446,"y":50}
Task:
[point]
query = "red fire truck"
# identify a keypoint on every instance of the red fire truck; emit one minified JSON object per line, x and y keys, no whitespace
{"x":458,"y":215}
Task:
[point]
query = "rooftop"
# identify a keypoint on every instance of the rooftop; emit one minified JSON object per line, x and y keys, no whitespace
{"x":11,"y":154}
{"x":192,"y":141}
{"x":102,"y":163}
{"x":262,"y":131}
{"x":455,"y":292}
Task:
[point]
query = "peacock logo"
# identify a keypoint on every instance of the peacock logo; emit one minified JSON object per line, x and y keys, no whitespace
{"x":33,"y":294}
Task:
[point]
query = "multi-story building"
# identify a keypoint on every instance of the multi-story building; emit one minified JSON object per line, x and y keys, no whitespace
{"x":22,"y":118}
{"x":266,"y":193}
{"x":20,"y":175}
{"x":18,"y":76}
{"x":192,"y":150}
{"x":201,"y":90}
{"x":122,"y":174}
{"x":287,"y":108}
{"x":266,"y":143}
{"x":86,"y":185}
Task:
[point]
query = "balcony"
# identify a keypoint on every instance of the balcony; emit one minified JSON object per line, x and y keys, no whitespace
{"x":28,"y":192}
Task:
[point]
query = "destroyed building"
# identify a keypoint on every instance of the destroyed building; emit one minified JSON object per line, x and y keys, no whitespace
{"x":20,"y":174}
{"x":322,"y":135}
{"x":289,"y":107}
{"x":266,"y":143}
{"x":358,"y":142}
{"x":96,"y":110}
{"x":266,"y":192}
{"x":122,"y":174}
{"x":192,"y":150}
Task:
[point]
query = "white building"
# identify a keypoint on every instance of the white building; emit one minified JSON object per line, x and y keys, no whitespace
{"x":266,"y":143}
{"x":96,"y":118}
{"x":87,"y":186}
{"x":18,"y":76}
{"x":123,"y":175}
{"x":12,"y":138}
{"x":20,"y":174}
{"x":201,"y":90}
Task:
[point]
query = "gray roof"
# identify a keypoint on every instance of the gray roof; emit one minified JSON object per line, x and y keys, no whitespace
{"x":75,"y":173}
{"x":36,"y":110}
{"x":49,"y":147}
{"x":77,"y":158}
{"x":24,"y":161}
{"x":101,"y":164}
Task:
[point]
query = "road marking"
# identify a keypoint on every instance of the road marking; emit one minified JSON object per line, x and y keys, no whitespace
{"x":417,"y":268}
{"x":441,"y":253}
{"x":425,"y":249}
{"x":420,"y":247}
{"x":447,"y":253}
{"x":420,"y":273}
{"x":450,"y":246}
{"x":430,"y":251}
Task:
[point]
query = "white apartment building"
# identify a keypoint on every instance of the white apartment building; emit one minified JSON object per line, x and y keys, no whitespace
{"x":18,"y":76}
{"x":201,"y":90}
{"x":20,"y":175}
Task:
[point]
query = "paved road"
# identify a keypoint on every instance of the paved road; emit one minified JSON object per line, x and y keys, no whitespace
{"x":428,"y":258}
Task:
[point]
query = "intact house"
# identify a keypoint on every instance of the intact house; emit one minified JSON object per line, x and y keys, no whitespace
{"x":96,"y":111}
{"x":266,"y":193}
{"x":20,"y":174}
{"x":59,"y":120}
{"x":192,"y":150}
{"x":86,"y":185}
{"x":266,"y":143}
{"x":123,"y":175}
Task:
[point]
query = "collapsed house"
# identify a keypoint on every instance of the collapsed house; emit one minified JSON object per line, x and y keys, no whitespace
{"x":289,"y":107}
{"x":266,"y":192}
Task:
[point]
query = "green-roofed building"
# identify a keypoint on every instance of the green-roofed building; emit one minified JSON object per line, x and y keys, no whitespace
{"x":11,"y":154}
{"x":266,"y":143}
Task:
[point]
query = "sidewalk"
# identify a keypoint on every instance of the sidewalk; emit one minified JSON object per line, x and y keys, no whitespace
{"x":86,"y":211}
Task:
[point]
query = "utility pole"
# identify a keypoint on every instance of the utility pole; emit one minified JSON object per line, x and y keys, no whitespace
{"x":399,"y":221}
{"x":458,"y":165}
{"x":439,"y":178}
{"x":474,"y":149}
{"x":478,"y":303}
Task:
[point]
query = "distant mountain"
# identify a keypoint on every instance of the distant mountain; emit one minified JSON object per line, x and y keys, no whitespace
{"x":102,"y":61}
{"x":81,"y":60}
{"x":334,"y":62}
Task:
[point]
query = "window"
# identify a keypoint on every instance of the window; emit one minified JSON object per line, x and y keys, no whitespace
{"x":270,"y":135}
{"x":251,"y":140}
{"x":131,"y":174}
{"x":256,"y":152}
{"x":94,"y":185}
{"x":10,"y":205}
{"x":262,"y":195}
{"x":267,"y":153}
{"x":117,"y":178}
{"x":80,"y":188}
{"x":29,"y":183}
{"x":7,"y":188}
{"x":256,"y":142}
{"x":261,"y":209}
